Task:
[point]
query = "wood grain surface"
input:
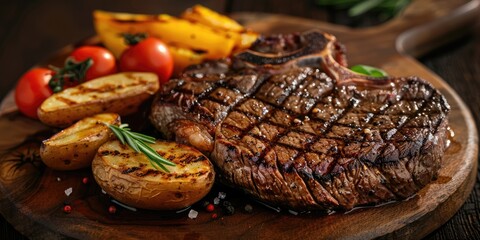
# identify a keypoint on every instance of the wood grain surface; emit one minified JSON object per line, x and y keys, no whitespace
{"x":285,"y":230}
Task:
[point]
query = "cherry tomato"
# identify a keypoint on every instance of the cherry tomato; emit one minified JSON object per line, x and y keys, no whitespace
{"x":32,"y":89}
{"x":149,"y":55}
{"x":103,"y":61}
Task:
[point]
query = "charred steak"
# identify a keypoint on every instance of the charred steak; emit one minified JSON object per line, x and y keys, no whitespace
{"x":286,"y":122}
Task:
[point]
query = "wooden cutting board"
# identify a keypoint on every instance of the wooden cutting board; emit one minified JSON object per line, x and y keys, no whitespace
{"x":33,"y":196}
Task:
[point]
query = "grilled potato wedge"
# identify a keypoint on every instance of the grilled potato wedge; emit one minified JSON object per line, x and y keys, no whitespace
{"x":75,"y":147}
{"x":129,"y":176}
{"x":120,"y":93}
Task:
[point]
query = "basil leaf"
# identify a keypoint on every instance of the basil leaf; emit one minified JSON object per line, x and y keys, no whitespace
{"x":369,"y":71}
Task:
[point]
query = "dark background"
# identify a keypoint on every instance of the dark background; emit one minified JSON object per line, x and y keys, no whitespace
{"x":30,"y":30}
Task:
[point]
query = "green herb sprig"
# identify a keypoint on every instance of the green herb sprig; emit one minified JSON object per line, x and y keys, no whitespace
{"x":369,"y":71}
{"x":72,"y":72}
{"x":138,"y":142}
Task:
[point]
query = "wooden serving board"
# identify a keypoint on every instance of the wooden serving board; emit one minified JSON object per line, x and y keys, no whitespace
{"x":33,"y":195}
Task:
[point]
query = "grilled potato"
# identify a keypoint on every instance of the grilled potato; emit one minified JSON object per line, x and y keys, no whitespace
{"x":129,"y":176}
{"x":120,"y":93}
{"x":76,"y":146}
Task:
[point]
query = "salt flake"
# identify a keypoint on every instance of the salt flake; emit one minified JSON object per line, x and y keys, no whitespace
{"x":192,"y":214}
{"x":68,"y":191}
{"x":216,"y":201}
{"x":222,"y":195}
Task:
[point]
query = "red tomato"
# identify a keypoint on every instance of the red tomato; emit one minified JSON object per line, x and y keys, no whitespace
{"x":32,"y":89}
{"x":149,"y":55}
{"x":103,"y":61}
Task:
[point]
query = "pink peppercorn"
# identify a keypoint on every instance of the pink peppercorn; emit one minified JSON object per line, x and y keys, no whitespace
{"x":112,"y":209}
{"x":210,"y":208}
{"x":67,"y":209}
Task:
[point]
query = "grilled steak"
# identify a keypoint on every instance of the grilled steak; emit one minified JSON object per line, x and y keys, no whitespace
{"x":286,"y":122}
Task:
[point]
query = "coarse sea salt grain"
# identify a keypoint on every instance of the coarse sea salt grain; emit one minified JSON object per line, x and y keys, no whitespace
{"x":216,"y":201}
{"x":68,"y":191}
{"x":222,"y":195}
{"x":192,"y":214}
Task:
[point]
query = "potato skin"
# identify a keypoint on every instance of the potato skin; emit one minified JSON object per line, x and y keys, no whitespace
{"x":75,"y":147}
{"x":120,"y":93}
{"x":130,"y":178}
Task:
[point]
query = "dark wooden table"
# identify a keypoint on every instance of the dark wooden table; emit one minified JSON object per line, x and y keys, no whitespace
{"x":32,"y":29}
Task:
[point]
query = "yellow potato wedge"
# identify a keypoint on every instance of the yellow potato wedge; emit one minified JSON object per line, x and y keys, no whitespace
{"x":75,"y":147}
{"x":120,"y":93}
{"x":130,"y":178}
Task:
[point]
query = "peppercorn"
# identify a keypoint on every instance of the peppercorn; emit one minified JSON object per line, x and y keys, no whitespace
{"x":214,"y":216}
{"x":248,"y":208}
{"x":112,"y":209}
{"x":85,"y":180}
{"x":210,"y":208}
{"x":228,"y":208}
{"x":67,"y":209}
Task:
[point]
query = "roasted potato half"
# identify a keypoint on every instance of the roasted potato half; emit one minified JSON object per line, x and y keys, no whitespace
{"x":120,"y":93}
{"x":75,"y":147}
{"x":129,"y":176}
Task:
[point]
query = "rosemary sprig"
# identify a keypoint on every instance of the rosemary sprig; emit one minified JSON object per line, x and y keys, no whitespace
{"x":139,"y":143}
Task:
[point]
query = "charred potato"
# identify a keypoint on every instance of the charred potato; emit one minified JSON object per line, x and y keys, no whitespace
{"x":121,"y":93}
{"x":129,"y":176}
{"x":76,"y":146}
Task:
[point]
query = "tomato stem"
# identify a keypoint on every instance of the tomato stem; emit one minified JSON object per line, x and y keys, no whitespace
{"x":133,"y":38}
{"x":72,"y":72}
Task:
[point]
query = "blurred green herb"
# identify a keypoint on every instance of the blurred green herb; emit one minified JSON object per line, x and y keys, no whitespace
{"x":369,"y":71}
{"x":389,"y":8}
